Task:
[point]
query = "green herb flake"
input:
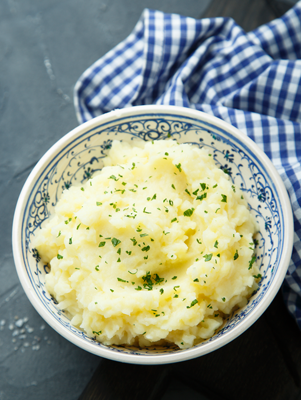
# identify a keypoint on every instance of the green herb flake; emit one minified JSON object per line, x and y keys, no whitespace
{"x":146,"y":212}
{"x":97,"y":268}
{"x":122,"y":280}
{"x":174,"y":220}
{"x":143,"y":234}
{"x":174,"y":277}
{"x":216,"y":244}
{"x":173,"y":186}
{"x":189,"y":212}
{"x":59,"y":257}
{"x":146,"y":248}
{"x":196,"y":280}
{"x":179,"y":167}
{"x":98,"y":203}
{"x":112,"y":290}
{"x":161,"y":291}
{"x":202,"y":196}
{"x":257,"y":276}
{"x":70,"y":240}
{"x":59,"y":234}
{"x":101,"y":244}
{"x":187,"y":191}
{"x":193,"y":303}
{"x":251,"y":262}
{"x":134,"y":241}
{"x":115,"y":242}
{"x":208,"y":257}
{"x":224,"y":299}
{"x":118,"y":259}
{"x":224,"y":198}
{"x":236,"y":255}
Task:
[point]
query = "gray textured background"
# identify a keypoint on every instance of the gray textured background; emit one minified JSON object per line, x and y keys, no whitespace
{"x":45,"y":45}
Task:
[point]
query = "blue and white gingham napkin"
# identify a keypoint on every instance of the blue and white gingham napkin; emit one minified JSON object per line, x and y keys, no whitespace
{"x":251,"y":80}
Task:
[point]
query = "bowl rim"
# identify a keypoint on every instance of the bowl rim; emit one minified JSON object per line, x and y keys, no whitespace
{"x":181,"y":355}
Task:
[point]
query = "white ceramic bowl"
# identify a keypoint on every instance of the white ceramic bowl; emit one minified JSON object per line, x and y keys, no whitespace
{"x":78,"y":154}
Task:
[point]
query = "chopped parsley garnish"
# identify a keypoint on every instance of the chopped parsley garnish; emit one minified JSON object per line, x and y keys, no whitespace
{"x":119,"y":251}
{"x":101,"y":244}
{"x":187,"y":191}
{"x":133,"y":273}
{"x":174,"y":277}
{"x":174,"y":220}
{"x":112,"y":290}
{"x":196,"y":280}
{"x":115,"y":242}
{"x":97,"y":267}
{"x":70,"y":240}
{"x":251,"y":262}
{"x":122,"y":280}
{"x":202,"y":196}
{"x":98,"y":203}
{"x":161,"y":291}
{"x":195,"y":192}
{"x":208,"y":257}
{"x":224,"y":299}
{"x":189,"y":212}
{"x":134,"y":241}
{"x":59,"y":234}
{"x":179,"y":167}
{"x":113,"y":177}
{"x":96,"y":333}
{"x":146,"y":212}
{"x":257,"y":276}
{"x":224,"y":198}
{"x":143,"y":234}
{"x":146,"y":248}
{"x":216,"y":244}
{"x":59,"y":257}
{"x":203,"y":186}
{"x":173,"y":186}
{"x":236,"y":255}
{"x":193,"y":303}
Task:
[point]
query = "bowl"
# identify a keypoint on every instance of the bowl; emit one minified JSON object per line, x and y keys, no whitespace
{"x":80,"y":153}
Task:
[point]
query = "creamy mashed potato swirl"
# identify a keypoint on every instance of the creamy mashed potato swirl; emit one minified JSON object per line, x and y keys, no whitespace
{"x":156,"y":247}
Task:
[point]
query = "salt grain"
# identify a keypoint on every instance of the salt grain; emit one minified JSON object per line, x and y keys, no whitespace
{"x":19,"y":323}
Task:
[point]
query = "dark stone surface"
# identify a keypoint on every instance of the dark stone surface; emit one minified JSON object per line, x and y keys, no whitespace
{"x":44,"y":47}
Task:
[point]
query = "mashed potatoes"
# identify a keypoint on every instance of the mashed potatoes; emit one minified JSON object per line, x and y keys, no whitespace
{"x":157,"y":246}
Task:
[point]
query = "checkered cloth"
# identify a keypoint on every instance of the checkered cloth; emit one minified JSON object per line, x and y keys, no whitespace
{"x":251,"y":80}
